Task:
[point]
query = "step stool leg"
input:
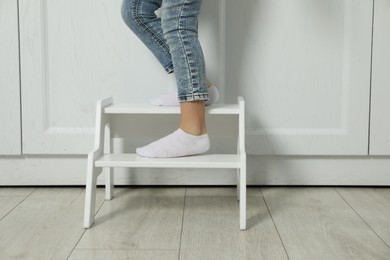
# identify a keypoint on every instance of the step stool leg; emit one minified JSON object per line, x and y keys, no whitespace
{"x":90,"y":192}
{"x":242,"y":153}
{"x":238,"y":184}
{"x":109,"y":171}
{"x":243,"y":197}
{"x":238,"y":169}
{"x":109,"y":183}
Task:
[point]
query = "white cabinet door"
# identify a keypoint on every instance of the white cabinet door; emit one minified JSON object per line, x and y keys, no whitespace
{"x":380,"y":89}
{"x":303,"y":67}
{"x":76,"y":52}
{"x":10,"y":137}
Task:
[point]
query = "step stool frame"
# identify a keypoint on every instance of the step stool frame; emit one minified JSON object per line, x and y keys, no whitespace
{"x":103,"y":144}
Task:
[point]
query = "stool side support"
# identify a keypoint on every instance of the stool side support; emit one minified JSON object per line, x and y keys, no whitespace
{"x":92,"y":171}
{"x":242,"y":170}
{"x":109,"y":171}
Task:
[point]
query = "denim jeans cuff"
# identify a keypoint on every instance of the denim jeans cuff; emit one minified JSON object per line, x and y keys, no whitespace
{"x":169,"y":68}
{"x":194,"y":97}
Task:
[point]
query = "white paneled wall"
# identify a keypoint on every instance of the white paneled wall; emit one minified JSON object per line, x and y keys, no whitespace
{"x":314,"y":75}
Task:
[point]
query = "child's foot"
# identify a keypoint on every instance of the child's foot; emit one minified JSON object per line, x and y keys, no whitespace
{"x":171,"y":99}
{"x":179,"y":143}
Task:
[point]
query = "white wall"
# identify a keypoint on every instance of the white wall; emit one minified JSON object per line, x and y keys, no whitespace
{"x":303,"y":67}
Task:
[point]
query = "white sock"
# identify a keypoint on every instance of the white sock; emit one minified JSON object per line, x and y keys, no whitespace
{"x":171,"y":99}
{"x":179,"y":143}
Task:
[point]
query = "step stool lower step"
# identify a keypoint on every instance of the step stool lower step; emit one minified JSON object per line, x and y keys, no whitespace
{"x":191,"y":161}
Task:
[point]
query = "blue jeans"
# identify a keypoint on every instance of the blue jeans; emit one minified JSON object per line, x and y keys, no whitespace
{"x":173,"y":39}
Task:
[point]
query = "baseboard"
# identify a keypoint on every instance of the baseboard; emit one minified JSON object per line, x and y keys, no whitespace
{"x":261,"y":170}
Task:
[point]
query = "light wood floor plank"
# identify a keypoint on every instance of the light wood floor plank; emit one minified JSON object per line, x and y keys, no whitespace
{"x":46,"y":225}
{"x":373,"y":205}
{"x":220,"y":191}
{"x":93,"y":254}
{"x":17,"y":191}
{"x":138,"y":218}
{"x":8,"y":203}
{"x":10,"y":197}
{"x":316,"y":223}
{"x":211,"y":230}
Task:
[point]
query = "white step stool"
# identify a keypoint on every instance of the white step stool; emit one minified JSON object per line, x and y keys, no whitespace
{"x":97,"y":159}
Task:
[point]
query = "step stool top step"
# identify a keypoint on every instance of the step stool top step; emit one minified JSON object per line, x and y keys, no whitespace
{"x":144,"y":108}
{"x":192,"y":161}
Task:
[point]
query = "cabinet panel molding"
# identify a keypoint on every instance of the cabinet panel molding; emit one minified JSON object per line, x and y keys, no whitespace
{"x":10,"y":138}
{"x":76,"y":52}
{"x":303,"y":68}
{"x":380,"y":86}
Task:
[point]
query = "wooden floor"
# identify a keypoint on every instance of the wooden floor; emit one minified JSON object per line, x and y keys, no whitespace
{"x":196,"y":223}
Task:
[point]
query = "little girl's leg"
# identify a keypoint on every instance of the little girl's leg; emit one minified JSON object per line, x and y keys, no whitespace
{"x":180,"y":24}
{"x":140,"y":17}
